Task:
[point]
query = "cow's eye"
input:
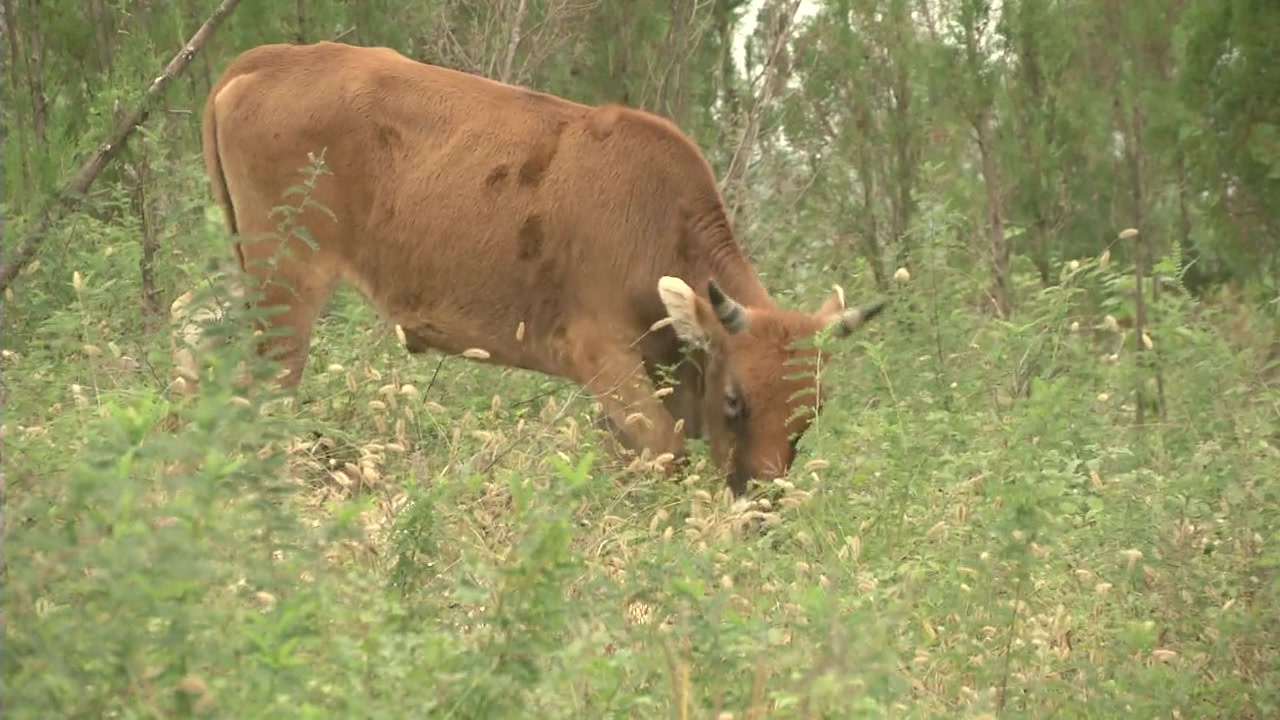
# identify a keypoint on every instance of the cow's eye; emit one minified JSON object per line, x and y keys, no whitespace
{"x":732,"y":404}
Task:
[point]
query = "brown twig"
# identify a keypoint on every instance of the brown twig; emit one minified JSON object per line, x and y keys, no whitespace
{"x":73,"y":194}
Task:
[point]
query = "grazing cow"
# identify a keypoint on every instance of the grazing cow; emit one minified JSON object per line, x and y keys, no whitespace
{"x":552,"y":235}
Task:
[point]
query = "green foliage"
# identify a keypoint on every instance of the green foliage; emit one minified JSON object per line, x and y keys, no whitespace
{"x":1226,"y":48}
{"x":985,"y":529}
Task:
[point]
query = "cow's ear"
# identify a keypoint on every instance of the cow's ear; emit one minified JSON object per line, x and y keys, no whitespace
{"x":682,"y":306}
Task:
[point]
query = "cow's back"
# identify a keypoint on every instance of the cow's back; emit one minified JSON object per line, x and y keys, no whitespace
{"x":464,"y":207}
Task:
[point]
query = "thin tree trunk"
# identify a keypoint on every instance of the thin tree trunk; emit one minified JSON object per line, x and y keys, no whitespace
{"x":905,"y":161}
{"x":15,"y":62}
{"x":1184,"y":211}
{"x":670,"y":88}
{"x":735,"y":173}
{"x":302,"y":22}
{"x":143,"y":207}
{"x":999,"y":248}
{"x":728,"y":91}
{"x":35,"y":73}
{"x":514,"y":36}
{"x":871,"y":236}
{"x":1141,"y":260}
{"x":103,"y":32}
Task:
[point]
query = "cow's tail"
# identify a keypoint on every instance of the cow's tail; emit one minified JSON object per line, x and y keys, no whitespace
{"x":213,"y":166}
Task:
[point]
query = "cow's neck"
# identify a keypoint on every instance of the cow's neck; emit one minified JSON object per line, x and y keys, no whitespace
{"x":736,"y":276}
{"x":723,"y":258}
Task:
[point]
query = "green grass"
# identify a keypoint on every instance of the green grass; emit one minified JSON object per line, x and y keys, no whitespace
{"x":975,"y":527}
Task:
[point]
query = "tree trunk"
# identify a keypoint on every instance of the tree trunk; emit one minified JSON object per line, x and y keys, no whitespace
{"x":999,"y":248}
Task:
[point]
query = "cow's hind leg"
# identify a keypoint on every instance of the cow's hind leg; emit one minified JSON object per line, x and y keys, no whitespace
{"x":289,"y":285}
{"x":636,"y":419}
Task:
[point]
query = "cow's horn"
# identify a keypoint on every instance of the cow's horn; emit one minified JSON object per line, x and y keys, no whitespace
{"x":848,"y":320}
{"x":732,"y":315}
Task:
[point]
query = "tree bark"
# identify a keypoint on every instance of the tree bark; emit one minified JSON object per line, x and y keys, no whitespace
{"x":74,"y":192}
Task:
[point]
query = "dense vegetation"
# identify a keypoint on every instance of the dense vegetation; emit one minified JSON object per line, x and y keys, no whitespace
{"x":1031,"y":494}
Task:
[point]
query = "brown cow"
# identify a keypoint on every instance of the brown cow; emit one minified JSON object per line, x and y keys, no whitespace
{"x":463,"y":209}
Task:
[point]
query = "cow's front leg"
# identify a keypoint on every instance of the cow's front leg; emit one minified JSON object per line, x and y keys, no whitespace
{"x":637,"y":420}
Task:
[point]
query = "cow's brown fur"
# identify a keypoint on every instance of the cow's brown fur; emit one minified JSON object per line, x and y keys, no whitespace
{"x":462,"y":208}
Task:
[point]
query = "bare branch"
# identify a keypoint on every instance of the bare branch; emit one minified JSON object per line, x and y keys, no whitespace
{"x":517,"y":26}
{"x":74,"y":192}
{"x":738,"y":162}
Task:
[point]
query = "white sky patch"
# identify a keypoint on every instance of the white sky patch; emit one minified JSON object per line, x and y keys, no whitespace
{"x":808,"y":8}
{"x":748,"y":25}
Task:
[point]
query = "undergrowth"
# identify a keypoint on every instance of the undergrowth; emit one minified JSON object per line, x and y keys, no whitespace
{"x":975,"y":527}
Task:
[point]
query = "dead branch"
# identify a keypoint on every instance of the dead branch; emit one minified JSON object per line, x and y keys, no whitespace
{"x":73,"y":193}
{"x":684,"y":35}
{"x":751,"y":127}
{"x":548,"y":38}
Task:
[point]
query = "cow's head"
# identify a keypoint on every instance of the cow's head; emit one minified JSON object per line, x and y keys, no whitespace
{"x":762,"y":389}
